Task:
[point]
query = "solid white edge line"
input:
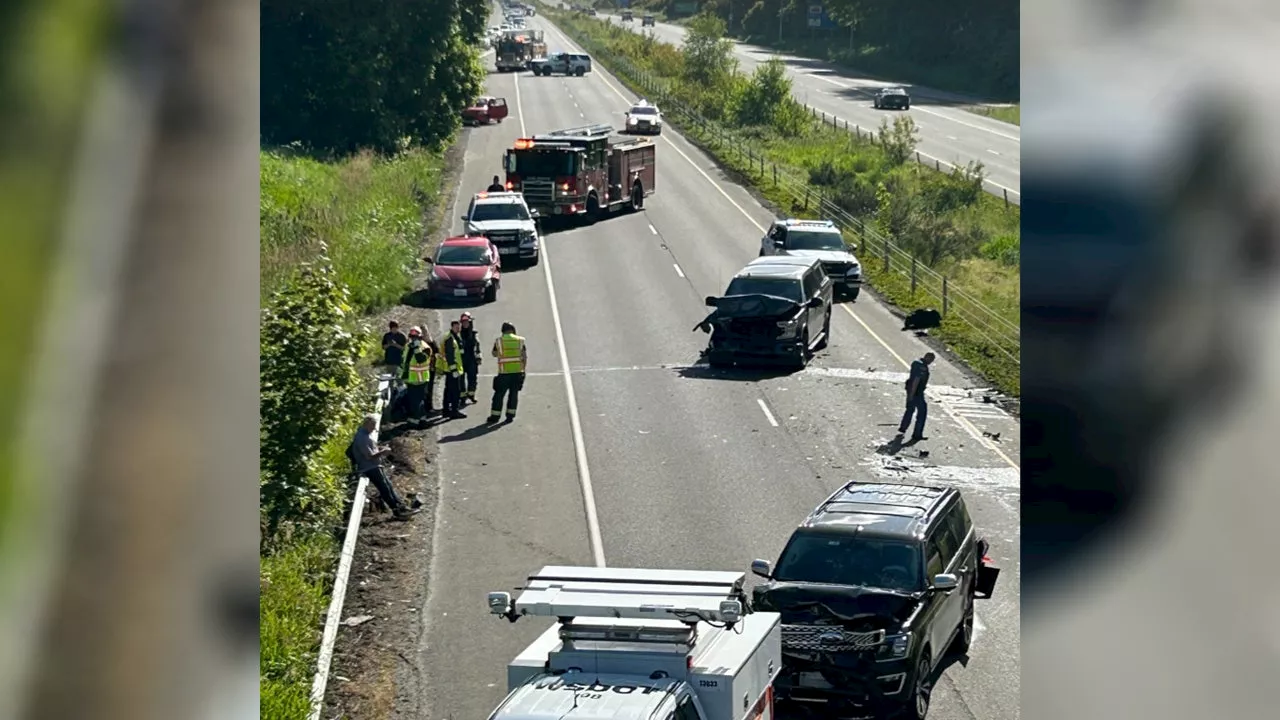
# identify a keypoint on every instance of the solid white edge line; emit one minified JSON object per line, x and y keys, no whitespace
{"x":329,"y":637}
{"x":968,"y":427}
{"x":678,"y":270}
{"x":575,"y":421}
{"x":768,"y":415}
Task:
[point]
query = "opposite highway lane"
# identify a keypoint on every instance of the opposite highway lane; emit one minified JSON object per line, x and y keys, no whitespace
{"x":686,"y":469}
{"x":948,"y":134}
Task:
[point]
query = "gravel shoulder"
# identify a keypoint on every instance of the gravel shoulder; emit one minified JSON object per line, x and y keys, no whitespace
{"x":375,"y":672}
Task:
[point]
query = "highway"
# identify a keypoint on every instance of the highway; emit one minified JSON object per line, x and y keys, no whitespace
{"x":948,"y":134}
{"x":626,"y":453}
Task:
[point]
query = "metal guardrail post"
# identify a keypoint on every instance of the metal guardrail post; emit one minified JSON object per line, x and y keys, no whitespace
{"x":885,"y":245}
{"x":945,"y":304}
{"x":914,"y":265}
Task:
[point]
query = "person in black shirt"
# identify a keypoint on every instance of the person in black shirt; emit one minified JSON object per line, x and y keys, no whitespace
{"x":470,"y":358}
{"x":497,"y":185}
{"x":393,"y":342}
{"x":917,"y":381}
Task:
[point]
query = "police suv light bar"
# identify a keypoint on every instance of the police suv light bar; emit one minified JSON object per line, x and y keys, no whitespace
{"x":685,"y":596}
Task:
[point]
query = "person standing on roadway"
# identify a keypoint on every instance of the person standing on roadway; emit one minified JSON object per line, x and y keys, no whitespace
{"x":917,"y":381}
{"x":367,"y":457}
{"x":417,"y":378}
{"x":453,"y":380}
{"x":439,"y":371}
{"x":496,"y":185}
{"x":470,"y":358}
{"x":513,"y":358}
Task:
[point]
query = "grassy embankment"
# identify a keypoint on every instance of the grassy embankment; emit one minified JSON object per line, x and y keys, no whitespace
{"x":1006,"y":113}
{"x":968,"y":235}
{"x":371,"y":213}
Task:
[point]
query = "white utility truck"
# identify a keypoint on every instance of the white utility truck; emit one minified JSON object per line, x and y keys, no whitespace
{"x":642,"y":645}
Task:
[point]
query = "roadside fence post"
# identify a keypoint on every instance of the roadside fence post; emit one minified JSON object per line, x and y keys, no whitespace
{"x":945,"y":304}
{"x":913,"y":276}
{"x":885,"y":247}
{"x":775,"y":176}
{"x":1006,"y":198}
{"x":806,"y":198}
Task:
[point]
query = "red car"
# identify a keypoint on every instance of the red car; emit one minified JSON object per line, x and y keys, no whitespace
{"x":485,"y":110}
{"x":465,"y":268}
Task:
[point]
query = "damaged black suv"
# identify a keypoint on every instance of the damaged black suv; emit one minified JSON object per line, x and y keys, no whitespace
{"x":875,"y":587}
{"x":776,"y":310}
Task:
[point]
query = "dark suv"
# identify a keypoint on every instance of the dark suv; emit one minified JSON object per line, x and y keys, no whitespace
{"x":776,"y":310}
{"x":874,"y":588}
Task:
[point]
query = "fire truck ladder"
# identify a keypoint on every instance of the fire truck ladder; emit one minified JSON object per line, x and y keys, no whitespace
{"x":685,"y":596}
{"x":583,"y":131}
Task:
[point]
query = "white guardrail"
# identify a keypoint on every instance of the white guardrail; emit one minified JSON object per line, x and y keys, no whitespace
{"x":334,"y":617}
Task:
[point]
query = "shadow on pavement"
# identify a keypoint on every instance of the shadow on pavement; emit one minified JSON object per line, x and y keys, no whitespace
{"x":476,"y":431}
{"x":702,"y":371}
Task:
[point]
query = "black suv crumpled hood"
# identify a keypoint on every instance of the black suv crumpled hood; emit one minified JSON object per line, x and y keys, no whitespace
{"x":749,"y":307}
{"x":805,"y":604}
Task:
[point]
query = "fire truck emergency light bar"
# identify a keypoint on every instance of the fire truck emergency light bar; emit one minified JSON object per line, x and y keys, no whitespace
{"x":687,"y":596}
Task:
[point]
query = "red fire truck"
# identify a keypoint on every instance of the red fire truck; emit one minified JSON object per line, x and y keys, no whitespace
{"x":588,"y":171}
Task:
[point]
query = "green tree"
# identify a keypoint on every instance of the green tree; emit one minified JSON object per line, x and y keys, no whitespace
{"x":899,"y":141}
{"x":338,"y":76}
{"x":708,"y":54}
{"x":766,"y":100}
{"x":310,"y":391}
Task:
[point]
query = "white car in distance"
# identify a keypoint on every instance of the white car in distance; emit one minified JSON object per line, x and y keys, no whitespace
{"x":644,"y":118}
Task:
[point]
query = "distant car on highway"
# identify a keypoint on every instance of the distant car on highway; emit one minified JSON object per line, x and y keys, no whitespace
{"x":892,"y":98}
{"x":465,"y":268}
{"x":647,"y":21}
{"x":819,"y":239}
{"x":644,"y":119}
{"x":628,"y":16}
{"x":776,"y":310}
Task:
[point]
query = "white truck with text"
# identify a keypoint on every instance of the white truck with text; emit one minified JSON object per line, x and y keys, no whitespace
{"x":662,"y":644}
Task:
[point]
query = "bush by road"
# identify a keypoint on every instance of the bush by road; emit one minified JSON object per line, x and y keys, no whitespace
{"x":339,"y":239}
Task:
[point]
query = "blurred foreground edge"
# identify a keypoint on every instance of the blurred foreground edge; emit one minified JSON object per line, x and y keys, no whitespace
{"x":142,"y":588}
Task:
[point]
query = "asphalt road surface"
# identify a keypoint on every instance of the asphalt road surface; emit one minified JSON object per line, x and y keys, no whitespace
{"x":949,"y":135}
{"x":684,"y":469}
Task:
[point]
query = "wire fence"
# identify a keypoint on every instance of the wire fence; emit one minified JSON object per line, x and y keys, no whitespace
{"x":892,"y":269}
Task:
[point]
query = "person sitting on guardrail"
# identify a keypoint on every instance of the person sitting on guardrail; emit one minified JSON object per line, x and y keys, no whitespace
{"x":367,"y":458}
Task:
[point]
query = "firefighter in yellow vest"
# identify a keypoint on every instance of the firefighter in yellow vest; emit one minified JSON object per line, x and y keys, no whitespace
{"x":452,"y":347}
{"x":513,"y":358}
{"x":417,"y":375}
{"x":439,"y":370}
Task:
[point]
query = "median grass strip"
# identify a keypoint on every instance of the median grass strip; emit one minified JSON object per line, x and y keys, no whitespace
{"x":360,"y":222}
{"x":1006,"y":113}
{"x":909,"y":221}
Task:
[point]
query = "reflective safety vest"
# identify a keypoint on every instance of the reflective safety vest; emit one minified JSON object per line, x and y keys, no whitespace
{"x":419,"y":372}
{"x":442,"y":365}
{"x":510,"y":348}
{"x":455,"y":362}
